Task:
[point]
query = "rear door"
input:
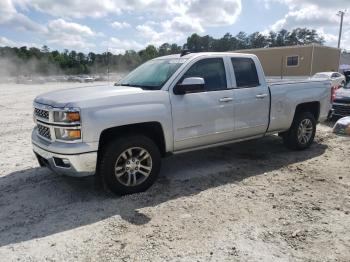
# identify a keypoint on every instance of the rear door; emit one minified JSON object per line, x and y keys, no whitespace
{"x":206,"y":117}
{"x":251,"y":98}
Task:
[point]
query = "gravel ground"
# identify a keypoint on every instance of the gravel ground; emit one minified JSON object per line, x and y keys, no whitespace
{"x":251,"y":201}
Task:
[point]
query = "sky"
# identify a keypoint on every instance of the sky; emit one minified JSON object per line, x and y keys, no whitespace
{"x":120,"y":25}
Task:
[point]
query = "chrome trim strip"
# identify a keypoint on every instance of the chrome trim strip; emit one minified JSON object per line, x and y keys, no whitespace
{"x":216,"y":144}
{"x":204,"y":135}
{"x":53,"y":133}
{"x":58,"y":153}
{"x":77,"y":126}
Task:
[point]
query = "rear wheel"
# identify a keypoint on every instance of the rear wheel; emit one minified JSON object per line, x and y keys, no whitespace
{"x":302,"y":132}
{"x":130,"y":164}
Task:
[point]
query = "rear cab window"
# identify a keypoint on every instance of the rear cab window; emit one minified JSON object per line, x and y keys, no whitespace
{"x":245,"y":72}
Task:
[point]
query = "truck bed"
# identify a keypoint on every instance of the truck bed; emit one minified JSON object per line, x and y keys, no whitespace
{"x":287,"y":94}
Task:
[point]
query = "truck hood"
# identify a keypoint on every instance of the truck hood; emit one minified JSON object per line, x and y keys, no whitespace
{"x":75,"y":97}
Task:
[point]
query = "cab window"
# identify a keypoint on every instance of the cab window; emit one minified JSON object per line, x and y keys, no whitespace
{"x":245,"y":72}
{"x":212,"y":70}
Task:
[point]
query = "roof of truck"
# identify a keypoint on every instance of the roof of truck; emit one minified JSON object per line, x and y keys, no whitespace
{"x":196,"y":54}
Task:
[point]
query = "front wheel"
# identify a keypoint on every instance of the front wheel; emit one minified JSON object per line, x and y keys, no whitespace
{"x":130,"y":164}
{"x":302,"y":132}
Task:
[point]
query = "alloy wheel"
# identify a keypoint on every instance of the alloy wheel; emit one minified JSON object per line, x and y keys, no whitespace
{"x":133,"y":166}
{"x":305,"y":131}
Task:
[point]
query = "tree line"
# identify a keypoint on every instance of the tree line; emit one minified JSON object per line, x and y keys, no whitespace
{"x":26,"y":61}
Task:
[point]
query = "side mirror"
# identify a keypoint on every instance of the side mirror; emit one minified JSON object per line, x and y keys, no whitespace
{"x":189,"y":85}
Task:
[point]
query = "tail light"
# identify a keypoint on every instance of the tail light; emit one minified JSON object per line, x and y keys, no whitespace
{"x":333,"y":89}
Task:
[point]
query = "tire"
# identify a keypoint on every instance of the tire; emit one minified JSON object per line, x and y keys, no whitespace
{"x":330,"y":116}
{"x":122,"y":167}
{"x":302,"y":132}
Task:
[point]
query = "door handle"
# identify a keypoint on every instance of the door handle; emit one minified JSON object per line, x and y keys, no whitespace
{"x":261,"y":96}
{"x":225,"y":99}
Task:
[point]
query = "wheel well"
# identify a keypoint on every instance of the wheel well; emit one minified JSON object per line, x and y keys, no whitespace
{"x":312,"y":107}
{"x":153,"y":130}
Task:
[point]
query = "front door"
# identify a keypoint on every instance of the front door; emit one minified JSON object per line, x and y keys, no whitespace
{"x":206,"y":117}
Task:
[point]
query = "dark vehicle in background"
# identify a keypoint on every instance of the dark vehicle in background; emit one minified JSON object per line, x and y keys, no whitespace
{"x":341,"y":103}
{"x":347,"y":76}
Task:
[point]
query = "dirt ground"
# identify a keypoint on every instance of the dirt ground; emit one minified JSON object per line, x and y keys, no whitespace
{"x":251,"y":201}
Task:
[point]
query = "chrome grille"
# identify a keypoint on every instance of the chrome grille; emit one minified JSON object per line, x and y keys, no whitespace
{"x":342,"y":110}
{"x":44,"y":131}
{"x":41,"y":113}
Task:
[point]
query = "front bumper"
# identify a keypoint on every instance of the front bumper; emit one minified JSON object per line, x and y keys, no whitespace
{"x":341,"y":109}
{"x":71,"y":165}
{"x":77,"y":164}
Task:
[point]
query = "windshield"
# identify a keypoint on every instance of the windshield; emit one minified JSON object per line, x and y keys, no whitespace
{"x":320,"y":76}
{"x":153,"y":74}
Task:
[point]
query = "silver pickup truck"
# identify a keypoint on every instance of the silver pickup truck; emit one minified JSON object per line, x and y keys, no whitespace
{"x":170,"y":105}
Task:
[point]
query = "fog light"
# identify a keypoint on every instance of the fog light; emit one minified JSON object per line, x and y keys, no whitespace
{"x":65,"y":161}
{"x":61,"y":162}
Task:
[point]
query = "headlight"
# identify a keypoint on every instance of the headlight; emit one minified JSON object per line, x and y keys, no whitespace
{"x":68,"y":134}
{"x":66,"y":116}
{"x":67,"y":124}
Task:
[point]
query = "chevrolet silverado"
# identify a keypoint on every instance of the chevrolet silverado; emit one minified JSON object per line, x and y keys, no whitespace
{"x":170,"y":105}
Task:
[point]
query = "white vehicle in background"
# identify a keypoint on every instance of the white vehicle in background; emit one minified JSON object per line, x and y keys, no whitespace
{"x":338,"y":80}
{"x":84,"y":79}
{"x":81,"y":79}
